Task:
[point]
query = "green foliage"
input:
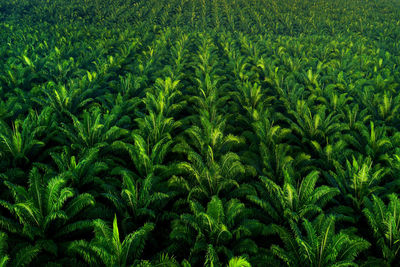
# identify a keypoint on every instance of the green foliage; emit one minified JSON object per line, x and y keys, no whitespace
{"x":137,"y":201}
{"x":94,"y":131}
{"x":64,"y":100}
{"x":384,"y":222}
{"x":46,"y":214}
{"x":293,"y":200}
{"x":217,"y":232}
{"x":238,"y":262}
{"x":3,"y":247}
{"x":220,"y":133}
{"x":357,"y":181}
{"x":80,"y":171}
{"x":19,"y":143}
{"x":108,"y":249}
{"x":320,"y":245}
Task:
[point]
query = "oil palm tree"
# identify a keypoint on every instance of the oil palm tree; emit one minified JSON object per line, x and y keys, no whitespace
{"x":272,"y":148}
{"x":310,"y":125}
{"x":65,"y":100}
{"x":145,"y":159}
{"x":81,"y":171}
{"x":372,"y":141}
{"x":138,"y":201}
{"x":23,"y":141}
{"x":250,"y":97}
{"x":108,"y":249}
{"x":46,"y":214}
{"x":356,"y":180}
{"x":214,"y":233}
{"x":376,"y":142}
{"x":211,"y":168}
{"x":319,"y":246}
{"x":165,"y":97}
{"x":384,"y":221}
{"x":95,"y":130}
{"x":208,"y":177}
{"x":294,"y":200}
{"x":385,"y":107}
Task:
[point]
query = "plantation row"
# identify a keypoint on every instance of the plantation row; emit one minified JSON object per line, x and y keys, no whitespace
{"x":191,"y":133}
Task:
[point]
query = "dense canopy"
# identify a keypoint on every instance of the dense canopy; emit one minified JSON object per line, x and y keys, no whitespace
{"x":199,"y":133}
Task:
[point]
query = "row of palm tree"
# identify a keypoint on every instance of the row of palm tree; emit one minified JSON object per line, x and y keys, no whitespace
{"x":191,"y":133}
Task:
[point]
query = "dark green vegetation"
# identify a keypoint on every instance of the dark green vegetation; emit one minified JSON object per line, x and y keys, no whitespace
{"x":199,"y":132}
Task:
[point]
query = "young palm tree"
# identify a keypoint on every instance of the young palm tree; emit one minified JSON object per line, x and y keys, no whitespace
{"x":271,"y":150}
{"x":65,"y":100}
{"x":384,"y":221}
{"x":386,"y":107}
{"x":233,"y":262}
{"x":108,"y":249}
{"x":314,"y":125}
{"x":96,"y":130}
{"x":19,"y":143}
{"x":208,"y":175}
{"x":138,"y":200}
{"x":146,"y":159}
{"x":47,"y":214}
{"x":319,"y":246}
{"x":216,"y":233}
{"x":165,"y":97}
{"x":251,"y":99}
{"x":211,"y":168}
{"x":293,"y":201}
{"x":356,"y":181}
{"x":81,"y":171}
{"x":156,"y":127}
{"x":355,"y":118}
{"x":393,"y":186}
{"x":373,"y":142}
